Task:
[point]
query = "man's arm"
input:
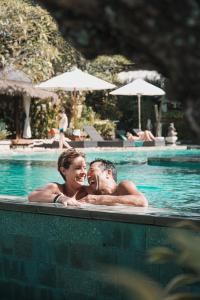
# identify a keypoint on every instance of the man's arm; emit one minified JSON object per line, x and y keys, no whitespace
{"x":126,"y":194}
{"x":112,"y":200}
{"x":128,"y":189}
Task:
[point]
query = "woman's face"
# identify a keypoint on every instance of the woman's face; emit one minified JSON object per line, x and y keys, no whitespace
{"x":76,"y":173}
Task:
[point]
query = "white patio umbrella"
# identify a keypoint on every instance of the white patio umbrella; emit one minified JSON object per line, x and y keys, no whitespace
{"x":76,"y":80}
{"x":139,"y":87}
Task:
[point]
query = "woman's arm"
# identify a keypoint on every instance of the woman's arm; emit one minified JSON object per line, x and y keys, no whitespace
{"x":45,"y":194}
{"x":51,"y":192}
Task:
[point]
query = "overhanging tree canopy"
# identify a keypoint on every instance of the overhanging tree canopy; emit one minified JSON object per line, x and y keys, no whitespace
{"x":30,"y":40}
{"x":160,"y":34}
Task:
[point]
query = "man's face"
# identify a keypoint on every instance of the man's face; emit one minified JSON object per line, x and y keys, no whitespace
{"x":98,"y":178}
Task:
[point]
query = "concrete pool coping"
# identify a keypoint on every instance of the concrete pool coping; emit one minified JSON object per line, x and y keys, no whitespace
{"x":119,"y":213}
{"x":96,"y":149}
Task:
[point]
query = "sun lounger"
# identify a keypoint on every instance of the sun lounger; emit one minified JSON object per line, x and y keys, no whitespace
{"x":121,"y":135}
{"x":83,"y":144}
{"x":159,"y":141}
{"x":93,"y":133}
{"x":136,"y":130}
{"x":54,"y":144}
{"x":21,"y":143}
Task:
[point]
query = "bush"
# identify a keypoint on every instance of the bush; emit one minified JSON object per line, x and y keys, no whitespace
{"x":106,"y":129}
{"x":3,"y":131}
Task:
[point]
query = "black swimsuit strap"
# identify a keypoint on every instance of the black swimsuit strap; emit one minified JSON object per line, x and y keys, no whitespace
{"x":64,"y":190}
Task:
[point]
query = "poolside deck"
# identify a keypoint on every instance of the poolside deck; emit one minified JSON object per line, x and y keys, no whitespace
{"x":91,"y":149}
{"x":48,"y":143}
{"x":191,"y":147}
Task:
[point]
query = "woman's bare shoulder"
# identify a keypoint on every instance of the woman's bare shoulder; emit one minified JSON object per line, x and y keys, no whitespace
{"x":54,"y":186}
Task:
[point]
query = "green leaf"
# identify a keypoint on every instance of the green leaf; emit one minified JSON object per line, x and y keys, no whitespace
{"x":188,"y":244}
{"x":188,"y":225}
{"x":181,"y":280}
{"x":161,"y":254}
{"x":140,"y":286}
{"x":182,"y":296}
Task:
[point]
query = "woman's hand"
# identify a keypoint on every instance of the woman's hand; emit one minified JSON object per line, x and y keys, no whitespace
{"x":69,"y":201}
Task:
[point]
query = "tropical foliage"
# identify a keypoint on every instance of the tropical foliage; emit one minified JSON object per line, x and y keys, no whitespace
{"x":44,"y":118}
{"x":107,"y":67}
{"x":4,"y":133}
{"x":30,"y":40}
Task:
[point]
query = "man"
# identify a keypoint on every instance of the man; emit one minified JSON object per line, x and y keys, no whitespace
{"x":103,"y":188}
{"x":63,"y":124}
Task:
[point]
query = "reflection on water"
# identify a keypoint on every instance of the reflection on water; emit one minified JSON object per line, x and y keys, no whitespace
{"x":40,"y":163}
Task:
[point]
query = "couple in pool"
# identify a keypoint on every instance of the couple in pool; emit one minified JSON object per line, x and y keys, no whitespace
{"x":102,"y":189}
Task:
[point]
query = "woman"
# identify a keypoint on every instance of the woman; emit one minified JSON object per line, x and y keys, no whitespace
{"x":72,"y":167}
{"x":141,"y":135}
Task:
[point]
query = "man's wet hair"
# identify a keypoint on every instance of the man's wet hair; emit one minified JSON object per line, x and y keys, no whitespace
{"x":66,"y":158}
{"x":106,"y":165}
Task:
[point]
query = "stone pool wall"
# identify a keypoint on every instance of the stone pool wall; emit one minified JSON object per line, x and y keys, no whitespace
{"x":53,"y":253}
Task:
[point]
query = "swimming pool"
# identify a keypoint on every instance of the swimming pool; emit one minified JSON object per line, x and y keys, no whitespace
{"x":164,"y":186}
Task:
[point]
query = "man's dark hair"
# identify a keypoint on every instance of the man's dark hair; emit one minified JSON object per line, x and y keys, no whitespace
{"x":106,"y":165}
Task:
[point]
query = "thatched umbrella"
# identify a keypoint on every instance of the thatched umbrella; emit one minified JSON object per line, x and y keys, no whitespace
{"x":17,"y":84}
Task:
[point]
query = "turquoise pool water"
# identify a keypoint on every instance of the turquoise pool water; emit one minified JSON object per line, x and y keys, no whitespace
{"x":171,"y":187}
